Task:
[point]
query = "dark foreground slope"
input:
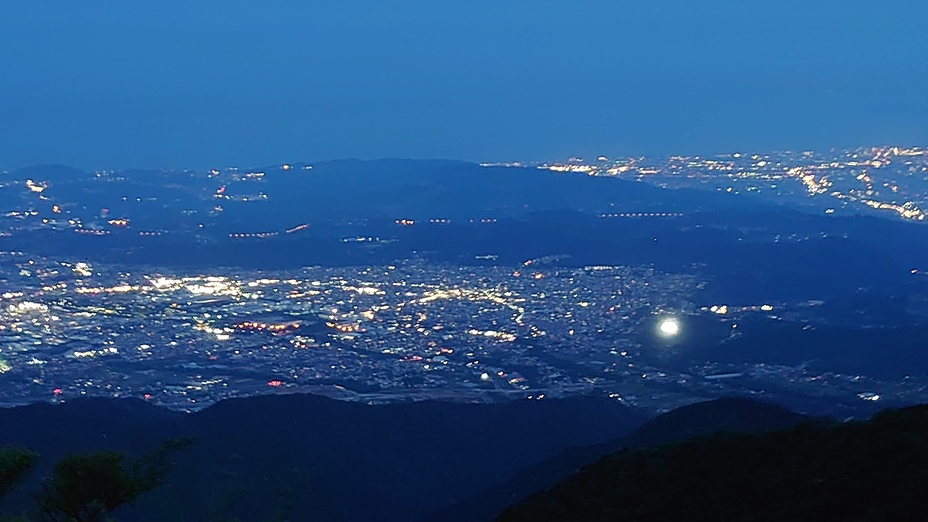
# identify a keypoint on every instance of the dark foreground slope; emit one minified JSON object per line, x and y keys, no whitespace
{"x":873,"y":470}
{"x":303,"y":457}
{"x":720,"y":415}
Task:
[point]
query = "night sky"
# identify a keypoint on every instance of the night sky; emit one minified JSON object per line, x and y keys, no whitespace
{"x":117,"y":84}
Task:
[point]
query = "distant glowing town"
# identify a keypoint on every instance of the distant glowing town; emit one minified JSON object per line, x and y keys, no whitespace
{"x":887,"y":179}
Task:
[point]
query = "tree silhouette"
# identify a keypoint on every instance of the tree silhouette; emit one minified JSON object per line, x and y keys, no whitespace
{"x":88,"y":487}
{"x":14,"y":463}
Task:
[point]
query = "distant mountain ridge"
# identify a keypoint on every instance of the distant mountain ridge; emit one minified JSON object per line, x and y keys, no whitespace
{"x":351,"y":190}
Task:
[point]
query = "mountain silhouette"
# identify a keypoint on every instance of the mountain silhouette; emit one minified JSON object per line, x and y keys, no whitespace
{"x":305,"y":457}
{"x":733,"y":414}
{"x":857,"y":470}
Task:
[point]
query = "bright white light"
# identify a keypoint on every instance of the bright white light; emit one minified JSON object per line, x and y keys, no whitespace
{"x":164,"y":282}
{"x":669,"y":327}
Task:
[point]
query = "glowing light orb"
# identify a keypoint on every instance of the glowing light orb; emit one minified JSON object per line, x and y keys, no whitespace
{"x":669,"y":327}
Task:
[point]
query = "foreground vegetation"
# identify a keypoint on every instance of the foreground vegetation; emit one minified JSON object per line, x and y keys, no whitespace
{"x":84,"y":487}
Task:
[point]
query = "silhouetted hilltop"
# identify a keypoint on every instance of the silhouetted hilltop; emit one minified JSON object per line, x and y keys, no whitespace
{"x":304,"y":457}
{"x":720,"y":415}
{"x":873,"y":470}
{"x":729,"y":414}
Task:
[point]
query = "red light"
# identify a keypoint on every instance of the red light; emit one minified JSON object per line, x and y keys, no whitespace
{"x":275,"y":383}
{"x":147,"y":396}
{"x":57,"y":391}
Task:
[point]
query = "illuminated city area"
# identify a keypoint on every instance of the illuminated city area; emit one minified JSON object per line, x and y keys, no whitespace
{"x":409,"y":328}
{"x":378,"y":333}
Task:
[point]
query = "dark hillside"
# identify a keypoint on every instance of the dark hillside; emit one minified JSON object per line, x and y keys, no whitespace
{"x":728,"y":414}
{"x":873,"y":470}
{"x":731,"y":414}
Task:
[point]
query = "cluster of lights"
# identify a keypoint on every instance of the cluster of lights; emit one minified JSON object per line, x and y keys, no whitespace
{"x":297,"y":228}
{"x":110,"y":350}
{"x":364,"y":290}
{"x":165,"y":283}
{"x":38,"y":188}
{"x":502,"y":336}
{"x":213,"y":286}
{"x":641,"y":215}
{"x":724,"y":309}
{"x":252,"y":235}
{"x":302,"y":342}
{"x":263,"y":281}
{"x":344,"y":327}
{"x":222,"y":334}
{"x":26,"y":307}
{"x":27,"y":213}
{"x":500,"y":298}
{"x":269,"y":327}
{"x":117,"y":289}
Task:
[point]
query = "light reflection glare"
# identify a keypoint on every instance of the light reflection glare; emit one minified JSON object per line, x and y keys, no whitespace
{"x":669,"y":327}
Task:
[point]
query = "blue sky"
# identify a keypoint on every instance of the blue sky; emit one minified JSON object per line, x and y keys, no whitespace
{"x":113,"y":84}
